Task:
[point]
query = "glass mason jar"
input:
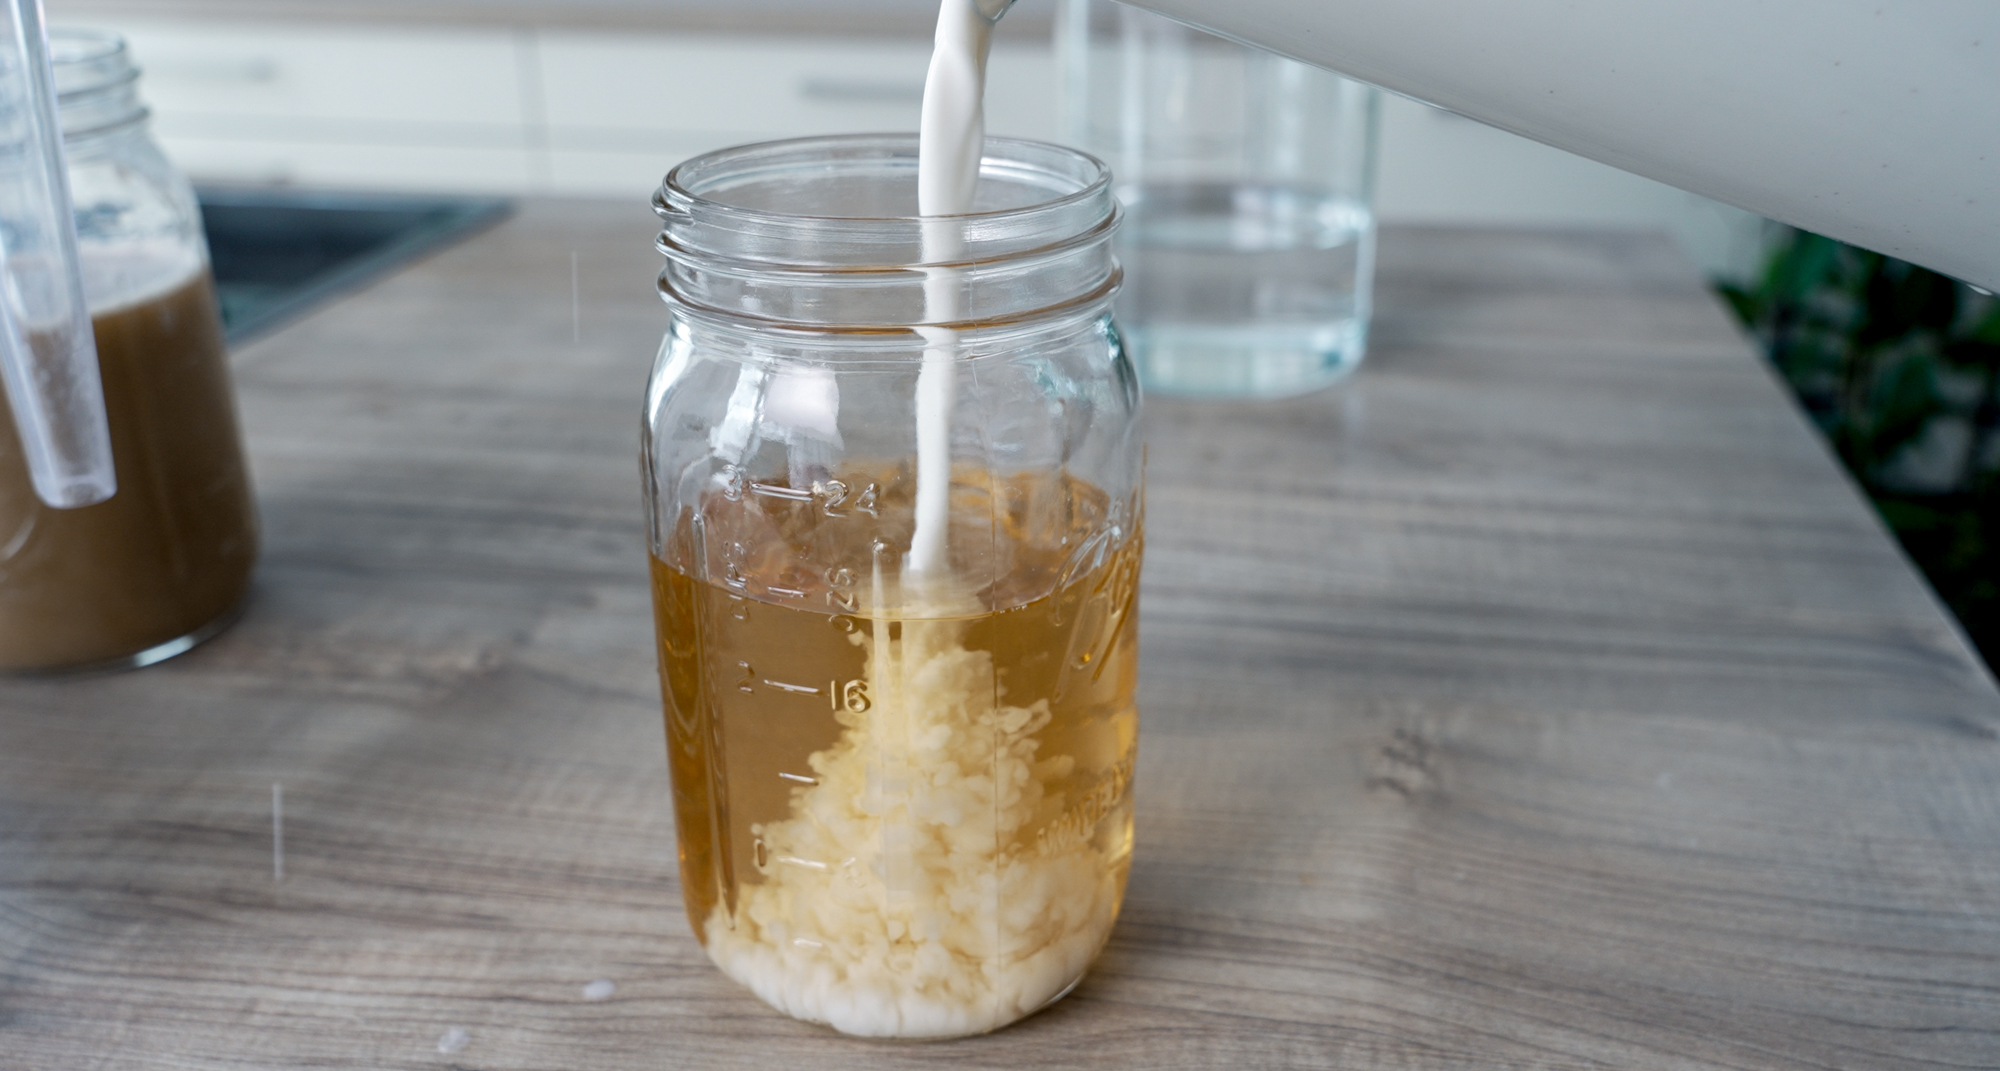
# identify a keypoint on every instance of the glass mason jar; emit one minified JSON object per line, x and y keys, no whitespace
{"x":1248,"y":184}
{"x":163,"y":563}
{"x":902,"y":792}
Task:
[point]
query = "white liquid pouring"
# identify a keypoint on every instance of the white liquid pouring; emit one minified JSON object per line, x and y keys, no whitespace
{"x":951,"y":138}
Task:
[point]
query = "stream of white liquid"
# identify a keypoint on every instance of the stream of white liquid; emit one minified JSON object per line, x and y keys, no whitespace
{"x":952,"y":136}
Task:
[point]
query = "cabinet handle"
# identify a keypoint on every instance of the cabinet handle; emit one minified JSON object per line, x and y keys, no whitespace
{"x":257,"y":70}
{"x":861,"y":91}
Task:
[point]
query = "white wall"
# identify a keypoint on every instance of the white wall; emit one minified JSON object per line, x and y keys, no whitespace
{"x":598,"y":114}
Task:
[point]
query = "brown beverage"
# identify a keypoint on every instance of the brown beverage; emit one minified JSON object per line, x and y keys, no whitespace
{"x":901,"y":823}
{"x":169,"y":556}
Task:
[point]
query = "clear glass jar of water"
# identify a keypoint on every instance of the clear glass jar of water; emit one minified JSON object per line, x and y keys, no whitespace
{"x":1248,"y":183}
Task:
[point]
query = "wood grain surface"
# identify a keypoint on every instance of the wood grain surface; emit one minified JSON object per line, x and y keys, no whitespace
{"x":1543,"y":697}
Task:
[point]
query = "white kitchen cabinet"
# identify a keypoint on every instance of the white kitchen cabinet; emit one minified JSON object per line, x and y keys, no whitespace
{"x":408,"y":107}
{"x":524,"y":110}
{"x":621,"y":111}
{"x":359,"y":165}
{"x":601,"y":90}
{"x":313,"y":74}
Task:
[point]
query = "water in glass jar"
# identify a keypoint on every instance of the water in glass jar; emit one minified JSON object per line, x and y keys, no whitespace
{"x":1250,"y":291}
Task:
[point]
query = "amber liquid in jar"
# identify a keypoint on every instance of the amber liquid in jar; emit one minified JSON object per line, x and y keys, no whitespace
{"x":170,"y":554}
{"x":901,"y":823}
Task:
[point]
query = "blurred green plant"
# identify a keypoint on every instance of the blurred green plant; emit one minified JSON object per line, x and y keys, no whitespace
{"x":1899,"y":366}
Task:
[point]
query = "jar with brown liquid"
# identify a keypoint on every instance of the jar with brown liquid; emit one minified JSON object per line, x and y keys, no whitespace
{"x":902,"y":792}
{"x":165,"y":562}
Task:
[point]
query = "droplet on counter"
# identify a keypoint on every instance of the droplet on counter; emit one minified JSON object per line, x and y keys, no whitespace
{"x":453,"y":1040}
{"x":601,"y":989}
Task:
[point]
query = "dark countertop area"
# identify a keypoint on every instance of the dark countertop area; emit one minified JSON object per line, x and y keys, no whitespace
{"x":278,"y":252}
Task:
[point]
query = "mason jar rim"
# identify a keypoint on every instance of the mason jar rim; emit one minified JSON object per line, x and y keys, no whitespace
{"x":677,"y":192}
{"x":700,"y":220}
{"x":94,"y":77}
{"x":813,"y":233}
{"x":89,"y":61}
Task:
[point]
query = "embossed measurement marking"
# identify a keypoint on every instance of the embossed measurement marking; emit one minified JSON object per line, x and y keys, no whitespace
{"x":853,"y":695}
{"x":799,"y":777}
{"x":834,"y":492}
{"x":773,"y":490}
{"x":1078,"y":822}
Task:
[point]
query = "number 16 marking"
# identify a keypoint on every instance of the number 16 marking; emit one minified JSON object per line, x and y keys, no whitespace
{"x":853,"y":695}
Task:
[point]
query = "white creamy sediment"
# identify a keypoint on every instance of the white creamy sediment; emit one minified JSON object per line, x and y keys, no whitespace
{"x":902,"y":897}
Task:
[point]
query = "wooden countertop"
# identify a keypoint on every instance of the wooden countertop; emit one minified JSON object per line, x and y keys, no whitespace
{"x":1544,"y":697}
